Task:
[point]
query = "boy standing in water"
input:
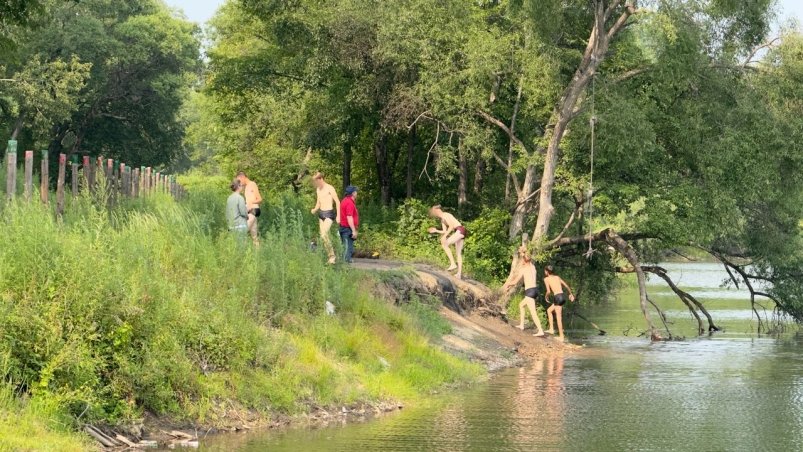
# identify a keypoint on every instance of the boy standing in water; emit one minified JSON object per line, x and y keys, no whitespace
{"x":554,"y":286}
{"x":450,"y":224}
{"x":328,"y":209}
{"x":527,"y":272}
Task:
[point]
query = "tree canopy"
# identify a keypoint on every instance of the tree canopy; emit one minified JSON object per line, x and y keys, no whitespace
{"x":696,"y":118}
{"x":100,"y":77}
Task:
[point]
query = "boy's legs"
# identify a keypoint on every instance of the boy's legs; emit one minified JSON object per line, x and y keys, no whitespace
{"x":559,"y":316}
{"x":253,"y":229}
{"x":325,"y":227}
{"x":522,"y":303}
{"x":458,"y":241}
{"x":549,"y":312}
{"x":534,"y":313}
{"x":445,"y":246}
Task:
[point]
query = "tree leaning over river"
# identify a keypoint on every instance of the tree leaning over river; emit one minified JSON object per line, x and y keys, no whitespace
{"x":697,"y":117}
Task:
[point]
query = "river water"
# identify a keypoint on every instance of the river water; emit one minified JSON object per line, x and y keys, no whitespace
{"x":732,"y":391}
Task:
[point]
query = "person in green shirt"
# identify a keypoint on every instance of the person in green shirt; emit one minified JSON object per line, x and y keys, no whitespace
{"x":236,"y":212}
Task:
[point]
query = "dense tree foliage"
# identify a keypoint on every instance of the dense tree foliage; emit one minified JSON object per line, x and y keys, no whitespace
{"x":99,"y":77}
{"x":490,"y":104}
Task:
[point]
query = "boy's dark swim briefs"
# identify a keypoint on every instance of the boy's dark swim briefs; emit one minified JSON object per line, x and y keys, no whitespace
{"x":256,"y":212}
{"x":559,"y":299}
{"x":532,"y":292}
{"x":327,"y":214}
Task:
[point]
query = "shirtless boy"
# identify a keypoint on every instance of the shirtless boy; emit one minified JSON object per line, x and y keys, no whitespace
{"x":450,"y":224}
{"x":252,"y":201}
{"x":328,"y":209}
{"x":554,"y":286}
{"x":527,"y":272}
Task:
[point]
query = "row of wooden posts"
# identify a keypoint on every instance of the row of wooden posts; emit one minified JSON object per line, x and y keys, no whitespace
{"x":120,"y":179}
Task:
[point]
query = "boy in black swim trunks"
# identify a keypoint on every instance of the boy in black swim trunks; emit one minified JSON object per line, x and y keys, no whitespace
{"x":554,"y":286}
{"x":328,"y":209}
{"x":526,"y":271}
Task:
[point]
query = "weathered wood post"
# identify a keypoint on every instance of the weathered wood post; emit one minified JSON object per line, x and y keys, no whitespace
{"x":87,"y":172}
{"x":148,"y":171}
{"x":11,"y":169}
{"x":60,"y":184}
{"x":74,"y":168}
{"x":129,"y":184}
{"x":28,"y":175}
{"x":44,"y":176}
{"x":109,"y":171}
{"x":136,"y":181}
{"x":121,"y":178}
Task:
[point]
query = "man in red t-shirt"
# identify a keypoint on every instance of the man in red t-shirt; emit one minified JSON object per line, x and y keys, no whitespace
{"x":349,"y":222}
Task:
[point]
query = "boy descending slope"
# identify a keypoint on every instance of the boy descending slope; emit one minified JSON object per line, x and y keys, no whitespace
{"x":527,"y":272}
{"x":554,"y":286}
{"x":450,"y":225}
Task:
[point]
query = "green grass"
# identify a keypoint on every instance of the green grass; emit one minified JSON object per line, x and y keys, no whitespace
{"x":35,"y":424}
{"x":155,"y":308}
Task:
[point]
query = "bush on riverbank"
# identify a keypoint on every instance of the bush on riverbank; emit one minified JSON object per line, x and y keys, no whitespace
{"x":153,"y":308}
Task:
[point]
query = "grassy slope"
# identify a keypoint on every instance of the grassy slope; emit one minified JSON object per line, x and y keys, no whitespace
{"x":153,"y":308}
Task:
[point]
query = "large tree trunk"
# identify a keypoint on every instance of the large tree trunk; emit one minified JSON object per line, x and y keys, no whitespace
{"x":411,"y":140}
{"x":511,"y":143}
{"x":564,"y":112}
{"x":479,"y":176}
{"x":347,"y":155}
{"x":383,"y":168}
{"x":524,"y":202}
{"x":462,"y":185}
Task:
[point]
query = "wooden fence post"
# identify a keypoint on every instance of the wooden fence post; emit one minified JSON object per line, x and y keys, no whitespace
{"x":44,"y":176}
{"x":148,"y":171}
{"x":121,"y":178}
{"x":74,"y":167}
{"x":87,"y":172}
{"x":11,"y":169}
{"x":60,"y":184}
{"x":135,"y":187}
{"x":110,"y":181}
{"x":28,"y":175}
{"x":129,"y":184}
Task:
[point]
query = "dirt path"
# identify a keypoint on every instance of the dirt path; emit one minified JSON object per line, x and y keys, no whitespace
{"x":480,"y":331}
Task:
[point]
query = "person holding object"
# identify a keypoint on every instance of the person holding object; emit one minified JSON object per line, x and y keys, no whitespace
{"x":554,"y":286}
{"x":252,"y":201}
{"x":236,"y":211}
{"x":328,"y":209}
{"x":450,"y":225}
{"x":349,"y":222}
{"x":526,"y":271}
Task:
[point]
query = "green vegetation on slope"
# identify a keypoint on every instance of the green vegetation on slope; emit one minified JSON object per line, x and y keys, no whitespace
{"x":153,"y":308}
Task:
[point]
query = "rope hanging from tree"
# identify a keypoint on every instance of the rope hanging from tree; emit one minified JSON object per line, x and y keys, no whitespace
{"x":593,"y":124}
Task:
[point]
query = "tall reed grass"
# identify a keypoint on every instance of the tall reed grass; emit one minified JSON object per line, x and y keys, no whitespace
{"x":155,"y":307}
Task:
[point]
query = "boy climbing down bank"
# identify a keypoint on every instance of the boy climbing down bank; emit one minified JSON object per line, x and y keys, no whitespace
{"x":450,"y":224}
{"x":526,"y":271}
{"x":554,"y":286}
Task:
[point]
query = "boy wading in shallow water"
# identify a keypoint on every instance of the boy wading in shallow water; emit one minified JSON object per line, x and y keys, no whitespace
{"x":554,"y":286}
{"x":527,"y":272}
{"x":328,"y":209}
{"x":450,"y":224}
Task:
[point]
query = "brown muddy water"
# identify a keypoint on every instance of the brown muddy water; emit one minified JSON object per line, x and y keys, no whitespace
{"x":735,"y":390}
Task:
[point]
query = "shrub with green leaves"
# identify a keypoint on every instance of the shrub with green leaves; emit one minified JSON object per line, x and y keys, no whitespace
{"x":155,"y":307}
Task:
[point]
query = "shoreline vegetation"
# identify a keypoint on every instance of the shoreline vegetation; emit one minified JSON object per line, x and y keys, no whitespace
{"x":151,"y":312}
